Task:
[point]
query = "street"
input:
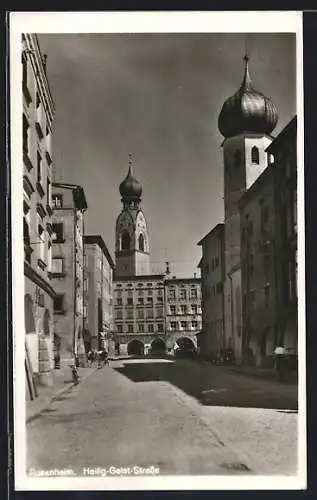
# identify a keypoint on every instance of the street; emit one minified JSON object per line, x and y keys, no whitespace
{"x":183,"y":417}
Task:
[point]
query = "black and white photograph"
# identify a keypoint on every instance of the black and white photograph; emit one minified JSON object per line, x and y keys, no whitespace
{"x":157,"y":177}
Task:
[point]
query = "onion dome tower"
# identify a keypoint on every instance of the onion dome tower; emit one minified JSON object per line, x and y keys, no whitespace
{"x":247,"y":110}
{"x":132,"y":239}
{"x":246,"y":121}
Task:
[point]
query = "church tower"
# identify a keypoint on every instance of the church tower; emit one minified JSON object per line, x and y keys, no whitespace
{"x":246,"y":121}
{"x":132,"y":239}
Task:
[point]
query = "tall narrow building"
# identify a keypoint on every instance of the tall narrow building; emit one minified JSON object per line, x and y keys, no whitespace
{"x":246,"y":121}
{"x":132,"y":238}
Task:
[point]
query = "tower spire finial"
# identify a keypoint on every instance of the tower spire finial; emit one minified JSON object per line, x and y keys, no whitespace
{"x":246,"y":78}
{"x":130,"y":163}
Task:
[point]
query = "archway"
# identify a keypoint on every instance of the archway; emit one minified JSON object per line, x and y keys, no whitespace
{"x":135,"y":347}
{"x":185,"y":347}
{"x":158,"y":347}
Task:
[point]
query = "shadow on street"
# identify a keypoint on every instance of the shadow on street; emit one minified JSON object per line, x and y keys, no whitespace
{"x":212,"y":385}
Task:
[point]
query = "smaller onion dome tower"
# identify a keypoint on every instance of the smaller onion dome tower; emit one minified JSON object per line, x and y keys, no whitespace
{"x":132,"y":249}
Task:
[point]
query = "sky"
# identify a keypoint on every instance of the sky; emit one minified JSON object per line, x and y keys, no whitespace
{"x":157,"y":97}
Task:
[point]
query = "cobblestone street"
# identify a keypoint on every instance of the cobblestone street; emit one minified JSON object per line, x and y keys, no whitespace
{"x":141,"y":412}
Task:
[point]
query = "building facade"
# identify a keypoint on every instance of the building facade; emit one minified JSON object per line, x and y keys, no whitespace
{"x":246,"y":121}
{"x":38,"y":113}
{"x":139,"y":314}
{"x":284,"y":151}
{"x":257,"y":213}
{"x":211,"y":340}
{"x":69,"y":204}
{"x":98,"y":276}
{"x":182,"y":313}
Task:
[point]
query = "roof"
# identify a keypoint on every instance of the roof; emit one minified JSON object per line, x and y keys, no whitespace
{"x":289,"y":129}
{"x":183,"y":280}
{"x":219,"y":227}
{"x":78,"y":194}
{"x":96,"y":239}
{"x":143,"y":277}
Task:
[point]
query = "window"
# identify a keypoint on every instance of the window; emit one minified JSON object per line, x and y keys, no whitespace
{"x":130,"y":328}
{"x":149,"y":313}
{"x":140,"y":292}
{"x":150,"y":300}
{"x":130,"y":302}
{"x":173,"y":325}
{"x":159,"y":312}
{"x":193,"y":293}
{"x":119,"y":314}
{"x":150,"y":292}
{"x":57,"y":200}
{"x":58,"y":265}
{"x":119,"y":293}
{"x":39,"y":167}
{"x":160,"y":327}
{"x":59,"y":303}
{"x":130,"y":313}
{"x":184,"y":309}
{"x":119,"y":329}
{"x":171,"y":294}
{"x":184,"y":325}
{"x":130,"y":293}
{"x":125,"y":241}
{"x":150,"y":328}
{"x":25,"y":135}
{"x":119,"y":301}
{"x":173,"y":310}
{"x":182,"y":293}
{"x":58,"y":232}
{"x":141,"y":327}
{"x":160,"y":292}
{"x":194,"y":325}
{"x":194,"y":309}
{"x":141,"y":242}
{"x":140,"y":313}
{"x":159,"y":299}
{"x":255,"y":156}
{"x":140,"y":301}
